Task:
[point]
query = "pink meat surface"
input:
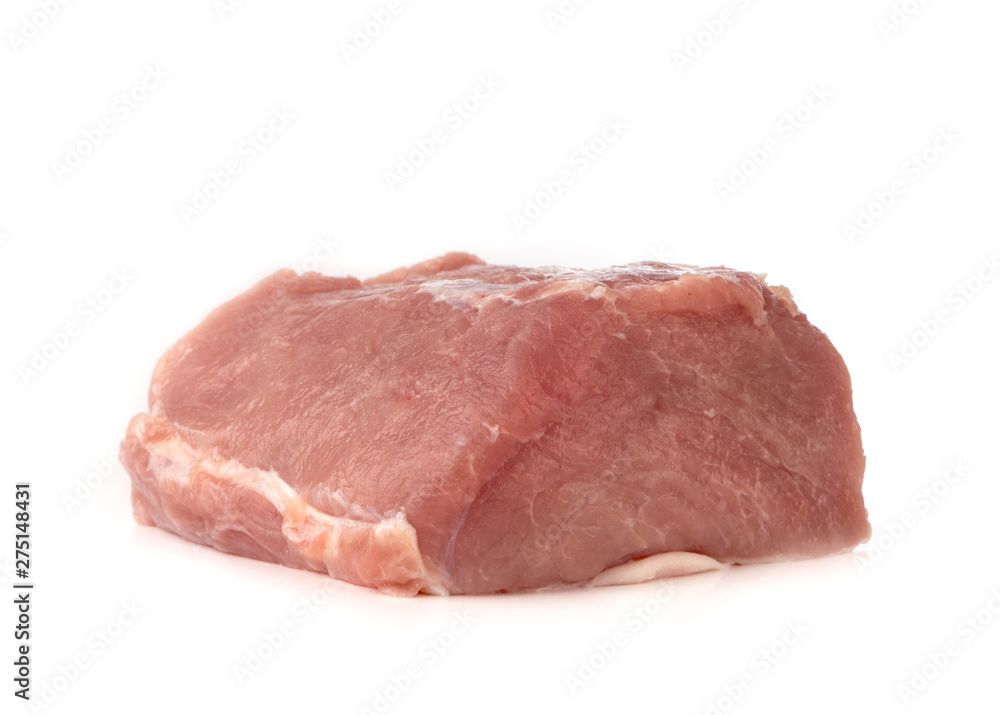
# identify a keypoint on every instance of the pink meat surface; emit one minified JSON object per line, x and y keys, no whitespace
{"x":457,"y":427}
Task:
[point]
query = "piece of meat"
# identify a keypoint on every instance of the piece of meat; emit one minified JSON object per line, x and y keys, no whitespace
{"x":457,"y":427}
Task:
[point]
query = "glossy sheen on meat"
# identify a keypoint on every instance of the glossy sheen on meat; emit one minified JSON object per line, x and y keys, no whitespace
{"x":457,"y":427}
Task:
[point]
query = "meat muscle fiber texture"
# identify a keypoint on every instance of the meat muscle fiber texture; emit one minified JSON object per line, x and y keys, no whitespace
{"x":458,"y":427}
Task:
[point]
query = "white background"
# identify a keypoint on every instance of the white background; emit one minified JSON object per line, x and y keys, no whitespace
{"x":653,"y":193}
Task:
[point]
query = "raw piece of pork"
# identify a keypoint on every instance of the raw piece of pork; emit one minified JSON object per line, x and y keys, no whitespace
{"x":456,"y":427}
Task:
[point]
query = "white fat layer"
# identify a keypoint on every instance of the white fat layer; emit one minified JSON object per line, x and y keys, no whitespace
{"x":302,"y":524}
{"x":468,"y":293}
{"x":672,"y":563}
{"x":334,"y":502}
{"x":477,"y":293}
